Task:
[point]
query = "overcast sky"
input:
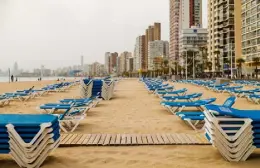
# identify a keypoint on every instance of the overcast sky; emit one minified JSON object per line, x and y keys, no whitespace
{"x":55,"y":33}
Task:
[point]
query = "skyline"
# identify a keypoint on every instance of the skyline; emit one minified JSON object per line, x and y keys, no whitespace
{"x":56,"y":33}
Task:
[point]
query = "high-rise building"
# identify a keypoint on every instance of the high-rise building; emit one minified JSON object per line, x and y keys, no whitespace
{"x":157,"y":48}
{"x":224,"y":24}
{"x":113,"y":62}
{"x":123,"y":61}
{"x":107,"y":55}
{"x":130,"y":64}
{"x":183,"y":14}
{"x":250,"y":29}
{"x":139,"y":53}
{"x":151,"y":34}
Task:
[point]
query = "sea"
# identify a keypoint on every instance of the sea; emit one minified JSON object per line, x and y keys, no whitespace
{"x":24,"y":79}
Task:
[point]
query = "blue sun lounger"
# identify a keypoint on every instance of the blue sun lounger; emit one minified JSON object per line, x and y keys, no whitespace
{"x":174,"y":107}
{"x":179,"y":92}
{"x":195,"y":118}
{"x":188,"y":98}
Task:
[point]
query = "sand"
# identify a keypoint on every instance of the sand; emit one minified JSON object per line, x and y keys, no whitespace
{"x":132,"y":110}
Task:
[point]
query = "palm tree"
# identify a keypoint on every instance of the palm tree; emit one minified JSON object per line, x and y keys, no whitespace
{"x":217,"y":64}
{"x":256,"y":61}
{"x":240,"y":62}
{"x":204,"y":53}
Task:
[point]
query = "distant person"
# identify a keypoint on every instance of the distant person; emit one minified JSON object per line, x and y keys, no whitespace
{"x":58,"y":80}
{"x":40,"y":79}
{"x":12,"y":78}
{"x":16,"y":79}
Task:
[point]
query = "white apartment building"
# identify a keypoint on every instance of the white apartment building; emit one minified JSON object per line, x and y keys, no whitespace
{"x":250,"y":29}
{"x":107,"y":55}
{"x":123,"y":61}
{"x":157,"y":48}
{"x":183,"y":14}
{"x":139,"y":53}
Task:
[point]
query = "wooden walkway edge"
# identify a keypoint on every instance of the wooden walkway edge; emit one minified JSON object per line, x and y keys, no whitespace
{"x":70,"y":140}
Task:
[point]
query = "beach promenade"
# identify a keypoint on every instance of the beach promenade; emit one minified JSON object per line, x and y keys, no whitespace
{"x":131,"y":111}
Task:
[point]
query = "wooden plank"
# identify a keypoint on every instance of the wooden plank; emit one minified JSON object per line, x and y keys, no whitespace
{"x":139,"y":139}
{"x":176,"y":139}
{"x":72,"y":138}
{"x":107,"y":140}
{"x":86,"y":139}
{"x":183,"y":140}
{"x":144,"y":140}
{"x":67,"y":138}
{"x":80,"y":141}
{"x":95,"y":142}
{"x":149,"y":139}
{"x":171,"y":140}
{"x":63,"y":136}
{"x":102,"y":139}
{"x":160,"y":140}
{"x":123,"y":140}
{"x":118,"y":139}
{"x":113,"y":139}
{"x":128,"y":139}
{"x":187,"y":140}
{"x":155,"y":140}
{"x":192,"y":139}
{"x":91,"y":139}
{"x":76,"y":139}
{"x":165,"y":139}
{"x":134,"y":140}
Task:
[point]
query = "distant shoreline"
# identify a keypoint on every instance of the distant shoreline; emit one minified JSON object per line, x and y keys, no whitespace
{"x":27,"y":79}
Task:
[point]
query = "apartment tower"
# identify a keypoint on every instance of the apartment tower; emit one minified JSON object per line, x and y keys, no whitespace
{"x":224,"y":34}
{"x":183,"y":15}
{"x":250,"y":29}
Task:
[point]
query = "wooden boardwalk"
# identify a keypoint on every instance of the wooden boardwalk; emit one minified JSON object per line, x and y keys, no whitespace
{"x":68,"y":140}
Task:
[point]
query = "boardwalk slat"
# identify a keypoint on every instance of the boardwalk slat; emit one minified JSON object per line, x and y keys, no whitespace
{"x":176,"y":139}
{"x":128,"y":139}
{"x":113,"y":139}
{"x":118,"y":139}
{"x":160,"y":139}
{"x":187,"y":140}
{"x":86,"y":139}
{"x":192,"y":139}
{"x":102,"y":139}
{"x":80,"y":141}
{"x":67,"y":138}
{"x":95,"y":142}
{"x":123,"y":140}
{"x":72,"y":138}
{"x":144,"y":139}
{"x":165,"y":139}
{"x":63,"y":136}
{"x":155,"y":140}
{"x":91,"y":139}
{"x":134,"y":140}
{"x":139,"y":139}
{"x":171,"y":140}
{"x":76,"y":139}
{"x":149,"y":139}
{"x":107,"y":140}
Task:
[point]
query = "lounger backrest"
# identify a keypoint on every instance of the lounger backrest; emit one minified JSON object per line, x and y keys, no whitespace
{"x":230,"y":101}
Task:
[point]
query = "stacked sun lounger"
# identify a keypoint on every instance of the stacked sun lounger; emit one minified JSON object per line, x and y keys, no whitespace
{"x":29,"y":139}
{"x":85,"y":88}
{"x":107,"y":90}
{"x":97,"y":87}
{"x":235,"y":133}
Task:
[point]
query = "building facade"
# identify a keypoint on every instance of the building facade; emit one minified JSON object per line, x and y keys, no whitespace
{"x":183,"y":14}
{"x":130,"y":64}
{"x":139,"y":53}
{"x":107,"y":55}
{"x":113,"y":62}
{"x":224,"y":29}
{"x":157,"y":48}
{"x":123,"y":61}
{"x":250,"y":29}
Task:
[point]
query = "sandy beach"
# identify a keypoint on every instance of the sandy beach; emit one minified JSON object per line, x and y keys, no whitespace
{"x":132,"y":110}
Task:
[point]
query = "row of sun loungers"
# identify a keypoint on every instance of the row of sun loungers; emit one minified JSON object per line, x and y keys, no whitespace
{"x":25,"y":95}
